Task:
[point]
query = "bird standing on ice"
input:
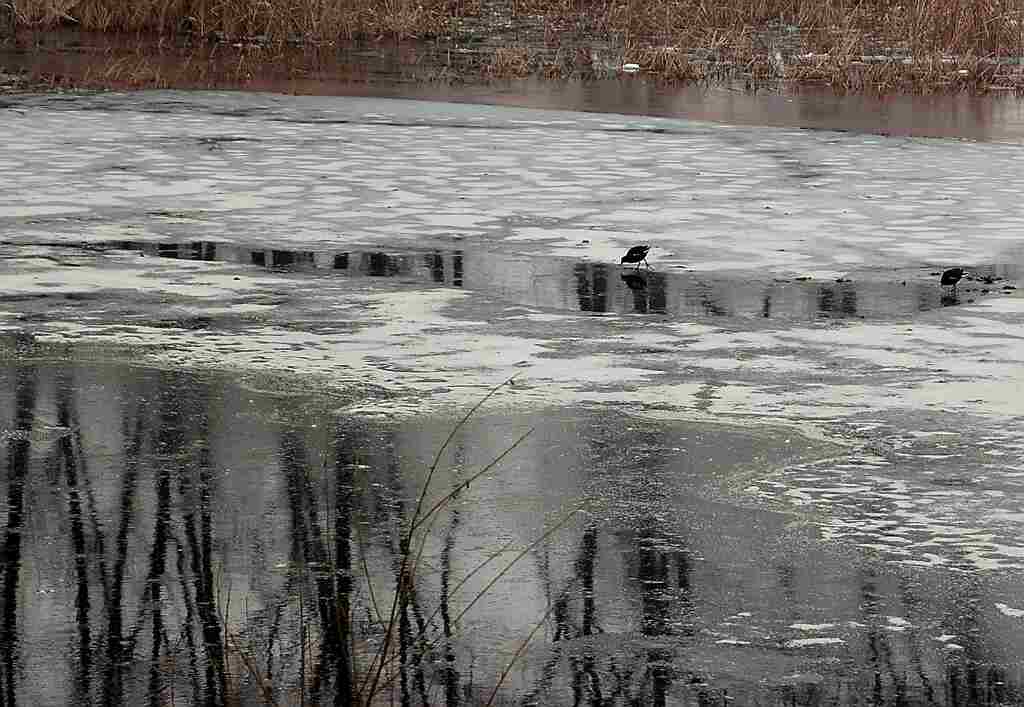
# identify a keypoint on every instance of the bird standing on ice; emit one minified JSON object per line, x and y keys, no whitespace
{"x":637,"y":254}
{"x":951,"y":277}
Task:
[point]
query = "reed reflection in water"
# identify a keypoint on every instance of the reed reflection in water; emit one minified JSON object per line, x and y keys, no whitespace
{"x":436,"y":70}
{"x":179,"y":538}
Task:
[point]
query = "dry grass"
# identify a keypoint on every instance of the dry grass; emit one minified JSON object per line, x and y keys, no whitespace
{"x":317,"y":20}
{"x":918,"y":45}
{"x":853,"y":45}
{"x":983,"y":27}
{"x":509,"y":62}
{"x":672,"y":63}
{"x":980,"y":27}
{"x":925,"y":74}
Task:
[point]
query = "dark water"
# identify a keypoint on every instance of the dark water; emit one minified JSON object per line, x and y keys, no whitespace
{"x":445,"y":72}
{"x":191,"y":539}
{"x":998,"y":117}
{"x":565,"y":284}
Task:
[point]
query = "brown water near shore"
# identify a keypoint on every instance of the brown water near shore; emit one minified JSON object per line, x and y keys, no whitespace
{"x":439,"y":72}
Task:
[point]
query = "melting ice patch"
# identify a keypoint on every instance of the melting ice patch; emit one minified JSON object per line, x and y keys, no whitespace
{"x":808,"y":642}
{"x":925,"y":498}
{"x":1010,"y":611}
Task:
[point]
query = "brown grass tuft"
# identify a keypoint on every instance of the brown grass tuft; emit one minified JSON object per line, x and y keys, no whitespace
{"x":672,"y":63}
{"x":509,"y":63}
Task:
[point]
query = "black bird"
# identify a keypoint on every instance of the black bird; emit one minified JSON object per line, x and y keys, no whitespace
{"x":951,"y":277}
{"x":637,"y":254}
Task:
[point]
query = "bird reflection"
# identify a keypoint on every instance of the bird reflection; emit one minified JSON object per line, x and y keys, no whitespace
{"x":634,"y":281}
{"x":648,"y":291}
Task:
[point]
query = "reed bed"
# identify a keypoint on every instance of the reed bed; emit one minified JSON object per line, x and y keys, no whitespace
{"x":852,"y":45}
{"x":983,"y":27}
{"x":979,"y":27}
{"x":279,"y":20}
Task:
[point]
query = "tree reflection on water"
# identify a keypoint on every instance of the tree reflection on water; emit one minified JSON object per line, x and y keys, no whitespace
{"x":176,"y":538}
{"x":588,"y":286}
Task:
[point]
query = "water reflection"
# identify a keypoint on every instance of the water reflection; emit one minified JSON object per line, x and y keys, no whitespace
{"x":441,"y":268}
{"x":174,"y":538}
{"x":591,"y":287}
{"x":441,"y":71}
{"x":18,"y":457}
{"x":841,"y":299}
{"x":601,"y":287}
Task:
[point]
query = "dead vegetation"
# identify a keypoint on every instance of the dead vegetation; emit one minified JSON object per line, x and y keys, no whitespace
{"x":281,"y":20}
{"x":851,"y":45}
{"x":509,"y":62}
{"x":923,"y":74}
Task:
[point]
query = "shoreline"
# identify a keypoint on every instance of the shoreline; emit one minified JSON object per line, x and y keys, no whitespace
{"x":130,"y":61}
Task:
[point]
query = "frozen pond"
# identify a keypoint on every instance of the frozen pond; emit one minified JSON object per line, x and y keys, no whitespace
{"x":781,"y":466}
